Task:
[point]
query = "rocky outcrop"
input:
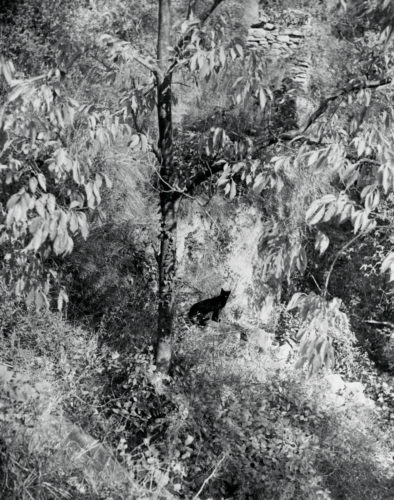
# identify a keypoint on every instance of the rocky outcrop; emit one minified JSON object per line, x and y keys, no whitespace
{"x":49,"y":428}
{"x":226,"y":260}
{"x":340,"y":391}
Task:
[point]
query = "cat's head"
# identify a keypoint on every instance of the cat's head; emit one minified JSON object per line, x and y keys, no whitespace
{"x":225,"y":293}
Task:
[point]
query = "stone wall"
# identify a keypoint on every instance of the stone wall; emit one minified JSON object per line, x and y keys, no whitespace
{"x":266,"y":35}
{"x":286,"y":43}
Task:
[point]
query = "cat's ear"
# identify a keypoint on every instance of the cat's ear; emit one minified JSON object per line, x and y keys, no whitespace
{"x":222,"y":291}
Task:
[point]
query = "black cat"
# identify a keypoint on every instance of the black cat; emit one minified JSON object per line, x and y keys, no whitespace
{"x":199,"y":312}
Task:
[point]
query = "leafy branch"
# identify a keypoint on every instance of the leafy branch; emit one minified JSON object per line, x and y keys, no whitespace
{"x":351,"y":87}
{"x":298,"y":134}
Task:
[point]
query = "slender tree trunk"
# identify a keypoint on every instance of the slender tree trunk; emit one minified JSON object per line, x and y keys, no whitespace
{"x":167,"y":272}
{"x":168,"y":201}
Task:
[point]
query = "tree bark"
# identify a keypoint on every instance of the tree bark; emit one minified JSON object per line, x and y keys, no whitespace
{"x":169,"y":198}
{"x":168,"y":204}
{"x":167,"y":272}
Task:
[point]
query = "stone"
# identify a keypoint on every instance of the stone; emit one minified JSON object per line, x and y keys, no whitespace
{"x":269,"y":26}
{"x":258,"y":25}
{"x":293,"y":33}
{"x":260,"y":338}
{"x":283,"y":38}
{"x":284,"y":352}
{"x":257,"y":32}
{"x":296,"y":34}
{"x":335,"y":382}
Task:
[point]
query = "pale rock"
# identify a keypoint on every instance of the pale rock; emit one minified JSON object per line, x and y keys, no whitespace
{"x":336,"y":382}
{"x":356,"y":391}
{"x":267,"y":310}
{"x":284,"y":352}
{"x":342,"y":391}
{"x":257,"y":32}
{"x":283,"y":38}
{"x":260,"y":338}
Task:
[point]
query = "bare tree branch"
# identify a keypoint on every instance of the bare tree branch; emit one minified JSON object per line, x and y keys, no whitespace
{"x":206,"y":481}
{"x":204,"y":11}
{"x":202,"y":176}
{"x":352,"y":87}
{"x":147,"y":64}
{"x":298,"y":134}
{"x":383,"y":323}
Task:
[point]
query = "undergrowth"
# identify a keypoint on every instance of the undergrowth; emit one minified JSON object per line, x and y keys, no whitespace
{"x":236,"y":421}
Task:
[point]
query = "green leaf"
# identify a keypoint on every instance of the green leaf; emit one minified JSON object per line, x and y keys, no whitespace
{"x":322,"y":242}
{"x":42,"y":181}
{"x":240,"y":50}
{"x":16,"y":92}
{"x":33,"y":183}
{"x":77,"y":177}
{"x":13,"y":200}
{"x":223,"y":179}
{"x":89,"y":195}
{"x":73,"y":225}
{"x":262,"y":99}
{"x":315,"y":213}
{"x":83,"y":224}
{"x":107,"y":180}
{"x":358,"y":220}
{"x":388,"y":263}
{"x":144,"y":143}
{"x":300,"y":362}
{"x":51,"y":203}
{"x":41,"y":300}
{"x":328,"y":198}
{"x":35,"y":224}
{"x":217,"y":137}
{"x":295,"y":301}
{"x":238,"y":166}
{"x":233,"y":190}
{"x":62,"y":299}
{"x":260,"y":182}
{"x":301,"y":260}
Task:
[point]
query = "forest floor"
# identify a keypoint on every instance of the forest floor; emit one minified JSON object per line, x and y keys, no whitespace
{"x":81,"y":419}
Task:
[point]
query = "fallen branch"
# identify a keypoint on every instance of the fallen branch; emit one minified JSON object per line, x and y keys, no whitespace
{"x":206,"y":481}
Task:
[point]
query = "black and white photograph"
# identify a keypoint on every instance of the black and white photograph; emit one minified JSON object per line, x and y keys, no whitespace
{"x":196,"y":249}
